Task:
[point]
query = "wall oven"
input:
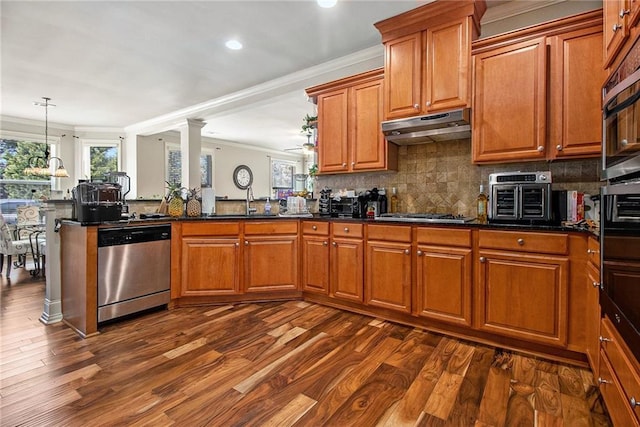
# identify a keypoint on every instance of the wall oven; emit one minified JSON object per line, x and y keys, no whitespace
{"x":620,"y":200}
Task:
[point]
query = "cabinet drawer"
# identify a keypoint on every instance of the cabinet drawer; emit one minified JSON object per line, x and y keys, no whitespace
{"x":315,"y":227}
{"x":347,"y":229}
{"x":524,"y":241}
{"x":210,"y":228}
{"x":270,"y":227}
{"x":393,"y":233}
{"x":617,"y":404}
{"x":593,"y":251}
{"x":444,"y":236}
{"x":624,"y":367}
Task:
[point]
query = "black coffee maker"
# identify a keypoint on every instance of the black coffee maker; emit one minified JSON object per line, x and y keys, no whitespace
{"x":96,"y":202}
{"x":374,"y":201}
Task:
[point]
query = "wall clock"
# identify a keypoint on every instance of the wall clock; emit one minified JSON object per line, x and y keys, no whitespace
{"x":242,"y":177}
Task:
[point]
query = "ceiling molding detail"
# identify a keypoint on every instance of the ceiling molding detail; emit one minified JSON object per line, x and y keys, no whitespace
{"x":515,"y":8}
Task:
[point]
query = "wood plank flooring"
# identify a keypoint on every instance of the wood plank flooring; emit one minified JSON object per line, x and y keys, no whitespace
{"x":270,"y":364}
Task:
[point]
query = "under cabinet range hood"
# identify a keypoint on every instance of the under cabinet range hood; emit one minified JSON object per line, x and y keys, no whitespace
{"x":444,"y":126}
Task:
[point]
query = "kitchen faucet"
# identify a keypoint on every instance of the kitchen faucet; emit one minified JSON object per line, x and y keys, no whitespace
{"x":250,"y":199}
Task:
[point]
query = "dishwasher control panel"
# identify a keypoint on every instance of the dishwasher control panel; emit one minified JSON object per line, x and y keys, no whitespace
{"x":130,"y":235}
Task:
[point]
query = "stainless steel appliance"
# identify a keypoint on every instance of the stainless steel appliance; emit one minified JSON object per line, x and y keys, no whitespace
{"x":124,"y":181}
{"x":344,"y":207}
{"x":96,"y":202}
{"x":520,"y":197}
{"x":620,"y":200}
{"x":425,"y":217}
{"x":448,"y":125}
{"x":133,"y":269}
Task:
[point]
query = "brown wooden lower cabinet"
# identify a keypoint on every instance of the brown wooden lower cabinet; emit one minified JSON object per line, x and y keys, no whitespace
{"x":388,"y":269}
{"x":210,"y":266}
{"x":315,"y":257}
{"x":347,"y":262}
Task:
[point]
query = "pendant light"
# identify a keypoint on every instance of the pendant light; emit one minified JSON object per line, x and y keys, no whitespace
{"x":41,"y":165}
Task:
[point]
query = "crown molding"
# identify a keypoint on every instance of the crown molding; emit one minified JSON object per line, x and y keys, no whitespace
{"x":514,"y":8}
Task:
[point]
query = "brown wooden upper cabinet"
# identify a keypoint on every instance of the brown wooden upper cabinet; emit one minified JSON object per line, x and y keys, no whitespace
{"x":537,"y":92}
{"x":616,"y":26}
{"x":350,"y":138}
{"x":428,"y":57}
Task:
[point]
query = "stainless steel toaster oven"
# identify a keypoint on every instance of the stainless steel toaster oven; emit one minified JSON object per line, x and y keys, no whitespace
{"x":520,"y":197}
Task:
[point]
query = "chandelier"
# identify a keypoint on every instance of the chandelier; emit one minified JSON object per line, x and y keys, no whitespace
{"x":41,"y":165}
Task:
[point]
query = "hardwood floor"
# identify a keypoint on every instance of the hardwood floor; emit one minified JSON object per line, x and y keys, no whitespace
{"x":270,"y":364}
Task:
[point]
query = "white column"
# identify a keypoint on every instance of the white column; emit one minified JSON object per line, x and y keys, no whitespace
{"x":190,"y":147}
{"x":52,"y":309}
{"x":129,"y":149}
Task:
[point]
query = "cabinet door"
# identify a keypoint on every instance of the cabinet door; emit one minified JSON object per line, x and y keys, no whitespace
{"x":365,"y":134}
{"x":315,"y":264}
{"x":388,"y":275}
{"x":523,"y":296}
{"x":271,"y":263}
{"x":403,"y":74}
{"x":509,"y":114}
{"x":444,"y":284}
{"x":615,"y":29}
{"x":575,"y":96}
{"x":447,"y":83}
{"x":347,"y":269}
{"x":592,"y":288}
{"x":210,"y":266}
{"x":332,"y":131}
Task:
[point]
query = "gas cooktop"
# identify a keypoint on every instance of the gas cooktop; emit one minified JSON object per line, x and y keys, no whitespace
{"x":424,"y":217}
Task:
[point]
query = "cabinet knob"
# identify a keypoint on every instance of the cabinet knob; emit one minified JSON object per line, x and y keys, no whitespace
{"x":592,"y":251}
{"x":604,"y":339}
{"x":416,"y":106}
{"x":595,"y":284}
{"x":324,"y":243}
{"x":353,"y":163}
{"x":346,"y":229}
{"x":624,"y":12}
{"x":314,"y":227}
{"x":520,"y":242}
{"x":407,"y":251}
{"x":616,"y":27}
{"x":559,"y":147}
{"x":344,"y":165}
{"x":634,"y":403}
{"x":603,"y":381}
{"x":428,"y":103}
{"x":483,"y":259}
{"x":237,"y":244}
{"x":419,"y":253}
{"x":540,"y":148}
{"x":334,"y":244}
{"x":624,"y":142}
{"x":246,"y":243}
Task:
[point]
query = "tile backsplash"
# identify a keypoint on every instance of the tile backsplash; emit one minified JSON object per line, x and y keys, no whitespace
{"x":439,"y":177}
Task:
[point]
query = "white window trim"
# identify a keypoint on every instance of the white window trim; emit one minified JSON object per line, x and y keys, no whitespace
{"x":172,"y":146}
{"x":84,"y":162}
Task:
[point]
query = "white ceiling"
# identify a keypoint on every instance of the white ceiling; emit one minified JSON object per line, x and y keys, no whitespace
{"x":145,"y":66}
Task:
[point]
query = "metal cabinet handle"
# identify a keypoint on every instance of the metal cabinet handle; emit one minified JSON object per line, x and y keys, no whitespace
{"x":314,"y":227}
{"x":346,"y":229}
{"x":416,"y":106}
{"x":592,"y":251}
{"x":520,"y":242}
{"x":634,"y":403}
{"x":428,"y":103}
{"x":595,"y":284}
{"x":604,"y":339}
{"x":603,"y":381}
{"x":624,"y":12}
{"x":559,"y":147}
{"x":237,"y":244}
{"x":624,"y":142}
{"x":344,"y":165}
{"x":419,"y":253}
{"x":353,"y":163}
{"x":483,"y":259}
{"x":616,"y":27}
{"x":540,"y":148}
{"x":334,"y":244}
{"x":246,"y":243}
{"x":407,"y":251}
{"x":324,"y":243}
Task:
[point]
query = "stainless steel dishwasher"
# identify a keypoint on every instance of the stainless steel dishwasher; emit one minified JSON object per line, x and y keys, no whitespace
{"x":134,"y":269}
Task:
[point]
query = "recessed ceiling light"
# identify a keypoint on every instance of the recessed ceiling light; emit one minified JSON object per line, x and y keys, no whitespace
{"x":327,"y":3}
{"x":233,"y":44}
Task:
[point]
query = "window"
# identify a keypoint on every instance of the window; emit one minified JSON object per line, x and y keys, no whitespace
{"x":15,"y":152}
{"x":100,"y":157}
{"x":174,"y":166}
